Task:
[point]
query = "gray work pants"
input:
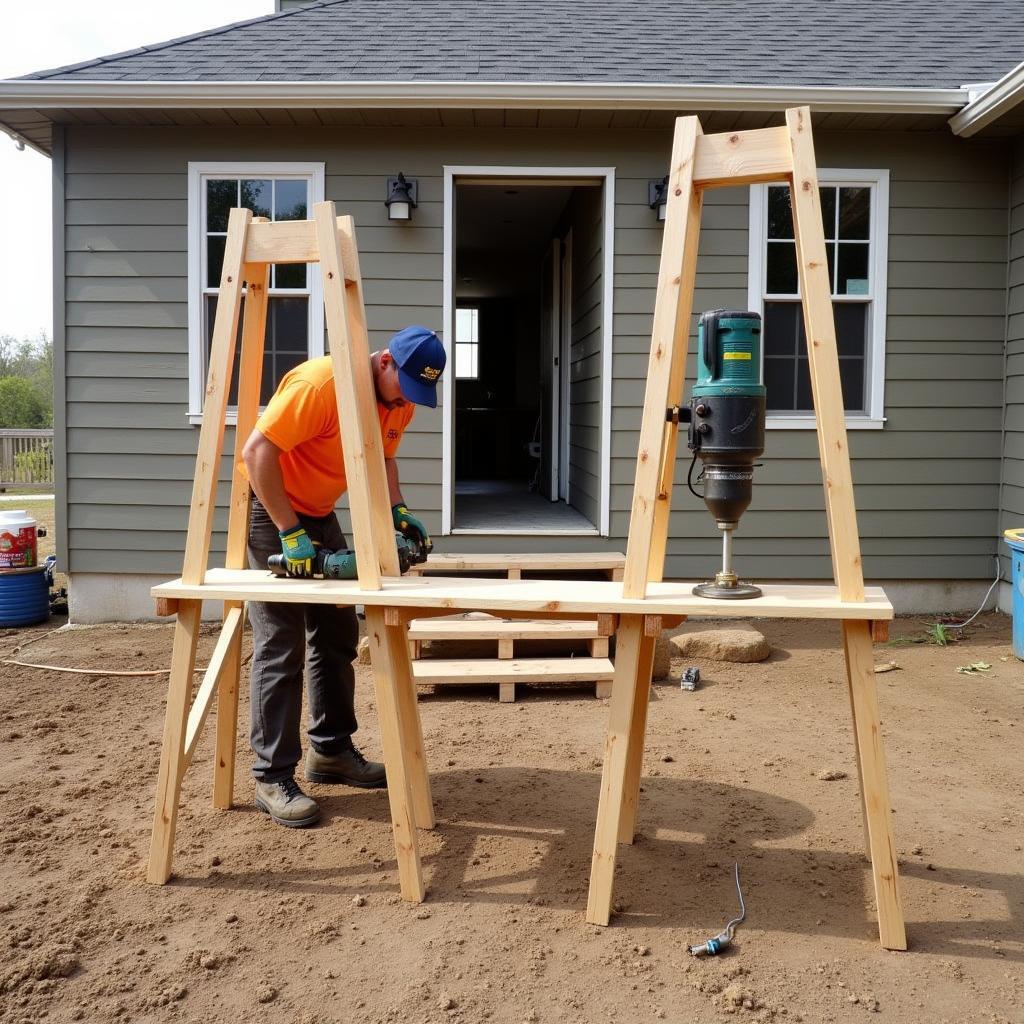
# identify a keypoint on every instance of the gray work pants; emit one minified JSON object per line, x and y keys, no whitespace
{"x":283,"y":636}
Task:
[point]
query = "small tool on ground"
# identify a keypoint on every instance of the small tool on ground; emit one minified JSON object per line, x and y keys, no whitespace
{"x":690,"y":679}
{"x":715,"y":946}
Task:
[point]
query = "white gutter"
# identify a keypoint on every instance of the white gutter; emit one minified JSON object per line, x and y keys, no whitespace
{"x":76,"y":93}
{"x":995,"y":101}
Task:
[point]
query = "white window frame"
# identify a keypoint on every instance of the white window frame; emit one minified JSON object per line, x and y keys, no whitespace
{"x":473,"y":344}
{"x":198,"y":173}
{"x":878,"y":261}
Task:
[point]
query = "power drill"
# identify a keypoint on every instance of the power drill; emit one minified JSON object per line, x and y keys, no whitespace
{"x":341,"y":565}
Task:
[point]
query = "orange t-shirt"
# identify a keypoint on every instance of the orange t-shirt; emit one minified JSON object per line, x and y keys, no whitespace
{"x":302,"y":420}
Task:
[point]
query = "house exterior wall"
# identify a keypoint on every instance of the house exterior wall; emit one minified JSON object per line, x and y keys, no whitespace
{"x":927,"y":485}
{"x":1012,"y":497}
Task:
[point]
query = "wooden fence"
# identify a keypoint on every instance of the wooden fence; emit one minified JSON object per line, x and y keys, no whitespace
{"x":26,"y":458}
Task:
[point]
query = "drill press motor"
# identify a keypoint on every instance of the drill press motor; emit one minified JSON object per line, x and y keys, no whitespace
{"x":727,"y":430}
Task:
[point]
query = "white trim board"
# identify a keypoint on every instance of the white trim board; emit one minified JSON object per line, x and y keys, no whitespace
{"x":606,"y":176}
{"x":197,"y":172}
{"x":878,"y":180}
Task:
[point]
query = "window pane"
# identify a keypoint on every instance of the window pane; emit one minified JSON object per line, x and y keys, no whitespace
{"x":257,"y":196}
{"x":855,"y":212}
{"x":214,"y":260}
{"x":779,"y":384}
{"x":853,"y":269}
{"x":780,"y":277}
{"x":782,"y":328}
{"x":466,"y":326}
{"x":804,"y":398}
{"x":780,"y":213}
{"x":221,"y":196}
{"x":851,"y":373}
{"x":465,"y":363}
{"x":290,"y":200}
{"x":287,"y":340}
{"x":211,"y":313}
{"x":289,"y":275}
{"x":828,"y":210}
{"x":851,"y":328}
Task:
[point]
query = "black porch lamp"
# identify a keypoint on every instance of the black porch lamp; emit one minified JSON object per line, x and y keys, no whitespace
{"x":401,"y":200}
{"x":657,"y":196}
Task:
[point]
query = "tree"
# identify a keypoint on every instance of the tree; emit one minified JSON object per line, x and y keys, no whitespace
{"x":32,"y":363}
{"x":21,"y":405}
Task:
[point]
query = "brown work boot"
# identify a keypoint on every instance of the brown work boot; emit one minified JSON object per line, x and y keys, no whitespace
{"x":286,"y":804}
{"x":347,"y":767}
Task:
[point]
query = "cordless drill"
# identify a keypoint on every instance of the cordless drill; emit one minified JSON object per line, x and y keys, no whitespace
{"x":341,"y":565}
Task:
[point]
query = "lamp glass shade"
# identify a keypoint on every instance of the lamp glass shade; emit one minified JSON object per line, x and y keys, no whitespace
{"x":398,"y":210}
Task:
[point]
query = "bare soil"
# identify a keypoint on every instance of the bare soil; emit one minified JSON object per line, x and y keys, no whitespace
{"x":267,"y":924}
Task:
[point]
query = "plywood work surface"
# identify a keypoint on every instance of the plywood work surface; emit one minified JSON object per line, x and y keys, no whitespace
{"x":788,"y":601}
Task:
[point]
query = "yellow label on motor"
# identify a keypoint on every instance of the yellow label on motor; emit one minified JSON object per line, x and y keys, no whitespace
{"x":737,"y":355}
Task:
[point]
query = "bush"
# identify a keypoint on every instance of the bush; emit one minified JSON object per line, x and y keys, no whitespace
{"x":36,"y":466}
{"x":21,"y":405}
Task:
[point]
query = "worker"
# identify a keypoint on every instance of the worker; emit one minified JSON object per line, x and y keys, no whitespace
{"x":293,"y":459}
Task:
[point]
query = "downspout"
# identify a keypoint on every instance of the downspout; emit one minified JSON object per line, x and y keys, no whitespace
{"x":60,"y":445}
{"x":1003,"y":598}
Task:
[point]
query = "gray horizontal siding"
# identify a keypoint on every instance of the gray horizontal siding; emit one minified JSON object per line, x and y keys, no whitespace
{"x":927,"y":485}
{"x":1011,"y":512}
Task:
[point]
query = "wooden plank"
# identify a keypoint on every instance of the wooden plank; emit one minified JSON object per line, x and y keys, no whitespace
{"x":875,"y":785}
{"x":218,"y":665}
{"x":386,"y":646}
{"x":599,"y":647}
{"x":637,"y":734}
{"x":215,"y":400}
{"x":473,"y":671}
{"x":172,"y":752}
{"x":250,"y":373}
{"x":505,"y":648}
{"x":555,"y":597}
{"x":293,"y":241}
{"x":357,"y":418}
{"x":605,"y":622}
{"x":652,"y":626}
{"x":497,"y":629}
{"x":742,"y":158}
{"x":880,"y":632}
{"x":625,"y":686}
{"x":166,"y":606}
{"x":673,"y":303}
{"x":532,"y":562}
{"x":507,"y":693}
{"x":823,"y":359}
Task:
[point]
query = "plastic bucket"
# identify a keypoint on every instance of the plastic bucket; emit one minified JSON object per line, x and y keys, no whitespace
{"x":1015,"y":540}
{"x":18,"y":543}
{"x":24,"y":596}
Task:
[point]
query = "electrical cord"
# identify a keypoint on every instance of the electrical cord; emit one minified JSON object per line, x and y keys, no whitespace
{"x":689,"y":478}
{"x":984,"y":601}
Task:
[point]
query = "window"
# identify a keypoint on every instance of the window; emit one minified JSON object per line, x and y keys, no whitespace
{"x":295,"y":309}
{"x":467,"y":344}
{"x":855,"y":216}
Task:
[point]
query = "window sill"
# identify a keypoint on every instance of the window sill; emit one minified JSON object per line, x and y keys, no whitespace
{"x":230,"y":419}
{"x":809,"y":423}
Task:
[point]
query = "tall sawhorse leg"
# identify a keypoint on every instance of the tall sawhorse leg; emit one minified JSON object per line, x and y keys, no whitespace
{"x":638,"y":730}
{"x":172,"y":756}
{"x":227,"y":723}
{"x":860,"y":673}
{"x":389,"y":658}
{"x":625,"y":725}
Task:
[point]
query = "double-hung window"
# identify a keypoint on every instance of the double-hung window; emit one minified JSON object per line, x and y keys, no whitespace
{"x":855,"y":217}
{"x":295,"y":313}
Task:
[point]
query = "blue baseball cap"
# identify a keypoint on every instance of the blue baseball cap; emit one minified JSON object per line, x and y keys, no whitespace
{"x":420,"y":358}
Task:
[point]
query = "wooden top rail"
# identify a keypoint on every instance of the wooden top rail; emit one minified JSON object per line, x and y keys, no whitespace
{"x":294,"y":241}
{"x":743,"y":158}
{"x":575,"y":561}
{"x":783,"y":601}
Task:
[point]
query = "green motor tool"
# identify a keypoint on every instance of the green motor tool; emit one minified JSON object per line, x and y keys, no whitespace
{"x":341,"y":565}
{"x":727,"y":430}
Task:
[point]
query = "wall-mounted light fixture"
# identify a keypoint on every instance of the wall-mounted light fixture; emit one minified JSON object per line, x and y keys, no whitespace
{"x":657,"y":195}
{"x":401,"y":200}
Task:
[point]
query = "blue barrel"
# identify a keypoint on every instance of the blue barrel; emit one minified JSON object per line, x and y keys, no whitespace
{"x":24,"y":596}
{"x":1015,"y":540}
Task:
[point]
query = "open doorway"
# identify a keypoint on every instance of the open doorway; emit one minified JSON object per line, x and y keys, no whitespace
{"x":527,"y":355}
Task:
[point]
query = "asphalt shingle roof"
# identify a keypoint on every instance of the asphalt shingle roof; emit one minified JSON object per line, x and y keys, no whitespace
{"x":889,"y":43}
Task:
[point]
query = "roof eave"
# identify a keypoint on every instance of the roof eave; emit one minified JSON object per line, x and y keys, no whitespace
{"x":43,"y":95}
{"x":995,"y":101}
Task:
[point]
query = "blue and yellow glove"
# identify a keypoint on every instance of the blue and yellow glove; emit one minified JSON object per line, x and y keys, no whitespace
{"x":405,"y":521}
{"x":298,"y":550}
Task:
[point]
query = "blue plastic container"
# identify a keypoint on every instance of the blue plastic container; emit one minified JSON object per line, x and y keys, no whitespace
{"x":1015,"y":540}
{"x":24,"y":596}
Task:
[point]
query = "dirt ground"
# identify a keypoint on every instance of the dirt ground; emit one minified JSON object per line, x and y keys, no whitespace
{"x":267,"y":924}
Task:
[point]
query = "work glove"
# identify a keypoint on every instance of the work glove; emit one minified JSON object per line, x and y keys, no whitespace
{"x":298,"y":550}
{"x":405,"y":521}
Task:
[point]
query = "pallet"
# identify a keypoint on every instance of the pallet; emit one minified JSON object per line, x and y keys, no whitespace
{"x":596,"y":669}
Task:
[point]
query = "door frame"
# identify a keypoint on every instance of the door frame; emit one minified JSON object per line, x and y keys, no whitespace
{"x":497,"y":175}
{"x":565,"y":364}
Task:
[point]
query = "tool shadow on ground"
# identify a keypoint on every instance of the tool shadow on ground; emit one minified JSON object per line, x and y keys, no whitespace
{"x":677,"y":874}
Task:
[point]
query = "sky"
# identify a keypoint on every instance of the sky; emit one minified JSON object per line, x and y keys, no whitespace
{"x":47,"y":34}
